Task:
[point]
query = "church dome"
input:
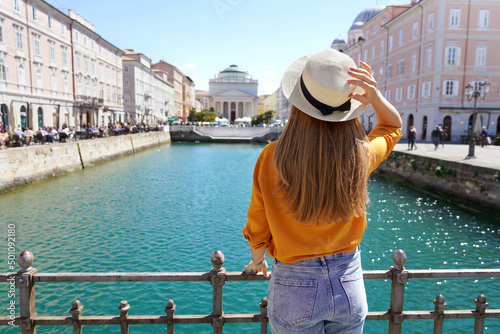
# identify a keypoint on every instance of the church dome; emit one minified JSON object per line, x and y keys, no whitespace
{"x":233,"y":68}
{"x":338,"y":40}
{"x":366,"y":15}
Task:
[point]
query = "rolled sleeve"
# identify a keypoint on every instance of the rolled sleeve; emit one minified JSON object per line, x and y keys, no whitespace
{"x":382,"y":140}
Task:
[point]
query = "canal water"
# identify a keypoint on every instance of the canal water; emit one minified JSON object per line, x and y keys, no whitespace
{"x":168,"y":209}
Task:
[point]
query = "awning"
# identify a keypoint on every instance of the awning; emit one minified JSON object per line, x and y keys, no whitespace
{"x":171,"y":119}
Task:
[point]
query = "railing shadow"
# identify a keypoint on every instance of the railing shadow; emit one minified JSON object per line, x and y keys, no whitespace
{"x":26,"y":278}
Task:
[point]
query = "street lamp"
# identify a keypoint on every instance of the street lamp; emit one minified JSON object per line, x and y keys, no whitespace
{"x":479,"y":90}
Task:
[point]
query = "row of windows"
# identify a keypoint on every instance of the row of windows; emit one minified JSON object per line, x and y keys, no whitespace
{"x":449,"y":89}
{"x":454,"y":22}
{"x":451,"y":58}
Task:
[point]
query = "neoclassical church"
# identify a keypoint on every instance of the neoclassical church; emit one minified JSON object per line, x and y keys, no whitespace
{"x":233,"y":93}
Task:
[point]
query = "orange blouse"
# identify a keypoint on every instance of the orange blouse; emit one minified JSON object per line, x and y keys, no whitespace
{"x":285,"y":238}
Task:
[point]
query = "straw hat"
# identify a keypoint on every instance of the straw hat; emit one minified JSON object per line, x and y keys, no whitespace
{"x":317,"y":85}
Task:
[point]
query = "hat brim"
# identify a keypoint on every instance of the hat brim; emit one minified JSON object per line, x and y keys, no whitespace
{"x":292,"y":92}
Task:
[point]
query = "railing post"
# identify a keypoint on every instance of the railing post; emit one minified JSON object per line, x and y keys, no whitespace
{"x":170,"y":309}
{"x":217,"y":280}
{"x":76,"y":311}
{"x":124,"y":307}
{"x":263,"y":316}
{"x":481,"y":306}
{"x":399,"y":279}
{"x":439,"y":312}
{"x":26,"y":285}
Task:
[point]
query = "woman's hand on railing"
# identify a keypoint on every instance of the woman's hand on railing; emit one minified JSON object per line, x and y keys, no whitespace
{"x":255,"y":268}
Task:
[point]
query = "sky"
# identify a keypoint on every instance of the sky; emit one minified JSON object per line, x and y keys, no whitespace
{"x":203,"y":37}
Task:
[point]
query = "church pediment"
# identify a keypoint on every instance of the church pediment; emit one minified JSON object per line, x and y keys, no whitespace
{"x":232,"y":93}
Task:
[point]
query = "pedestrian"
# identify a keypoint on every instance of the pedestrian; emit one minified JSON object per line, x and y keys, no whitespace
{"x":412,"y":135}
{"x":442,"y":136}
{"x":309,"y":194}
{"x":484,"y":136}
{"x":435,"y":136}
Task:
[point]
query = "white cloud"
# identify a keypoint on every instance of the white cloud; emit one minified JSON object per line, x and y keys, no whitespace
{"x":189,"y":66}
{"x":268,"y":73}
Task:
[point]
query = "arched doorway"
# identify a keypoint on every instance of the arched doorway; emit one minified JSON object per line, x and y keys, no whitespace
{"x":424,"y":128}
{"x":40,"y":117}
{"x":4,"y":115}
{"x":233,"y":111}
{"x":447,"y":128}
{"x":410,"y":123}
{"x":24,"y":116}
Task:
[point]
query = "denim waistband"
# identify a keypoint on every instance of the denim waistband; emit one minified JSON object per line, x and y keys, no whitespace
{"x":323,"y":259}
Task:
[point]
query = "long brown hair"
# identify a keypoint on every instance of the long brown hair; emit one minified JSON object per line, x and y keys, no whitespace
{"x":322,"y":168}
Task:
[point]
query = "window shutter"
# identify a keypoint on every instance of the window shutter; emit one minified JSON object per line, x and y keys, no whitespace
{"x":455,"y":88}
{"x":7,"y":73}
{"x":457,"y":56}
{"x":443,"y":87}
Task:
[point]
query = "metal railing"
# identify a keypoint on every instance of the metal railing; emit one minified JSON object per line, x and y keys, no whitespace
{"x":28,"y":320}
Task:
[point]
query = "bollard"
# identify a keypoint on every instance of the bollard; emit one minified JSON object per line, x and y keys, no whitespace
{"x":26,"y":285}
{"x":439,"y":312}
{"x":399,"y":279}
{"x":217,"y":280}
{"x":76,"y":311}
{"x":481,"y":306}
{"x":263,"y":316}
{"x":169,"y":310}
{"x":124,"y":307}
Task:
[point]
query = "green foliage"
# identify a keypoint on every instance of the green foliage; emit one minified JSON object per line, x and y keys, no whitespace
{"x":476,"y":173}
{"x":438,"y":171}
{"x":428,"y":166}
{"x":496,"y":178}
{"x":413,"y":164}
{"x":393,"y":156}
{"x":263,"y":118}
{"x":202,"y":116}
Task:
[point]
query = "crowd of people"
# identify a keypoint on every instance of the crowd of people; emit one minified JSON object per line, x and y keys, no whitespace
{"x":48,"y":135}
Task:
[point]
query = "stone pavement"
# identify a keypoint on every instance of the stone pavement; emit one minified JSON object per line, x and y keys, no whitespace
{"x":488,"y":156}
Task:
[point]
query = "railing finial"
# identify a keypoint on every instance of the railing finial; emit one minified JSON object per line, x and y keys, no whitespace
{"x":217,"y":260}
{"x":440,"y":304}
{"x":399,"y":258}
{"x":124,"y":307}
{"x":481,"y":303}
{"x":25,"y":260}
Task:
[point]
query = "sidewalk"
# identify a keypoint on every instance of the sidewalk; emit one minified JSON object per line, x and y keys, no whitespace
{"x":488,"y":156}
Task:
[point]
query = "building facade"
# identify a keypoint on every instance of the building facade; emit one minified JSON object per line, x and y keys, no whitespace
{"x":49,"y":68}
{"x":271,"y":103}
{"x":176,"y":78}
{"x":233,"y":94}
{"x":424,"y":54}
{"x":97,"y":76}
{"x":147,"y":91}
{"x":202,"y":96}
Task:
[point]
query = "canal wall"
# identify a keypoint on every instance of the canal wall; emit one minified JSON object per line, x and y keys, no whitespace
{"x":224,"y":134}
{"x":25,"y":165}
{"x":476,"y":189}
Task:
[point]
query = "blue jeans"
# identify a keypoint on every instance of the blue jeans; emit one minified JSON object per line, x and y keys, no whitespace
{"x":320,"y":295}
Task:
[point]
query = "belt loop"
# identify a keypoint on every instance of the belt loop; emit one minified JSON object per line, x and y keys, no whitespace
{"x":323,"y":261}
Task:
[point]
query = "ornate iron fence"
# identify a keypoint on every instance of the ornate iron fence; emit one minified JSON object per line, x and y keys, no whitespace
{"x":28,"y":320}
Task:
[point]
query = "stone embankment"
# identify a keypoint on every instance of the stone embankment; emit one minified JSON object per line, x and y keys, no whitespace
{"x":24,"y":165}
{"x":224,"y":134}
{"x":473,"y":185}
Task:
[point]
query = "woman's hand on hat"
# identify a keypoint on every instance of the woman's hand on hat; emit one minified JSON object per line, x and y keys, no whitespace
{"x":364,"y":79}
{"x":255,"y":268}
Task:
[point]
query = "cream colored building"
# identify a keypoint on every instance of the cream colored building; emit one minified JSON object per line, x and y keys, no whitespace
{"x":189,"y":95}
{"x":175,"y":77}
{"x":233,"y":94}
{"x":202,"y":95}
{"x":423,"y":54}
{"x":147,"y":91}
{"x":271,"y":103}
{"x":97,"y":67}
{"x":49,"y":68}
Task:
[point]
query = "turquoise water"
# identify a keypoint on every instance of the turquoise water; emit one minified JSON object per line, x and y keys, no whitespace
{"x":168,"y":209}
